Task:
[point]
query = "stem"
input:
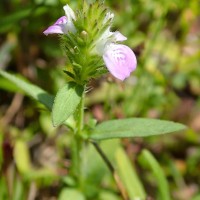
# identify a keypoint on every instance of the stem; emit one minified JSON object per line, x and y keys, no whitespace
{"x":78,"y":146}
{"x":120,"y":186}
{"x":80,"y":115}
{"x":78,"y":141}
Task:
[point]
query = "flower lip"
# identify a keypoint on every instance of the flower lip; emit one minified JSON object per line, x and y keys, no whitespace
{"x":58,"y":27}
{"x":120,"y":60}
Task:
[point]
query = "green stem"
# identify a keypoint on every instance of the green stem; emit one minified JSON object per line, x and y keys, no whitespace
{"x":80,"y":121}
{"x":78,"y":140}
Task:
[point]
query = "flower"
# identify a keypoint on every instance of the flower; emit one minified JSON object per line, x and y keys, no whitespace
{"x":119,"y":59}
{"x":64,"y":24}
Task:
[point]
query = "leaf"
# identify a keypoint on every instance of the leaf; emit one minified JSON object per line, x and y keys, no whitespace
{"x":30,"y":89}
{"x":162,"y":185}
{"x":66,"y":102}
{"x":22,"y":157}
{"x":129,"y":176}
{"x":134,"y":127}
{"x":71,"y":194}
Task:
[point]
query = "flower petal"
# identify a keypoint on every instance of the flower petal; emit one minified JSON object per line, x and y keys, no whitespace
{"x":118,"y":36}
{"x":107,"y":38}
{"x":58,"y":27}
{"x":109,"y":16}
{"x":120,"y":60}
{"x":69,"y":13}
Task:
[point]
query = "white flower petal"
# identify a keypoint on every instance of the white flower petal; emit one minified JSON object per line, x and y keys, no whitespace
{"x":107,"y":38}
{"x":69,"y":13}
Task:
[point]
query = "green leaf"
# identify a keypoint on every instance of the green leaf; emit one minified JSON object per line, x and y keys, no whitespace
{"x":129,"y":176}
{"x":66,"y":102}
{"x":30,"y":89}
{"x":134,"y":127}
{"x":162,"y":185}
{"x":71,"y":194}
{"x":23,"y":161}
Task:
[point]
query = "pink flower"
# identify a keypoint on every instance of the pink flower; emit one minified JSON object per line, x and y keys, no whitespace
{"x":64,"y":24}
{"x":120,"y":60}
{"x":58,"y":27}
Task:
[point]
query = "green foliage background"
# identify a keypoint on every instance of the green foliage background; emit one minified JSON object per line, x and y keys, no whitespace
{"x":35,"y":157}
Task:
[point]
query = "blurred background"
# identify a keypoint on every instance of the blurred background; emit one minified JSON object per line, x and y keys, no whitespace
{"x":35,"y":157}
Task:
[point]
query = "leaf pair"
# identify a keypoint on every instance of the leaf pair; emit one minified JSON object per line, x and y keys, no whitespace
{"x":69,"y":97}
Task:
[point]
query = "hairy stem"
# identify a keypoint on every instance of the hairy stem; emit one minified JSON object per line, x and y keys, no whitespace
{"x":120,"y":186}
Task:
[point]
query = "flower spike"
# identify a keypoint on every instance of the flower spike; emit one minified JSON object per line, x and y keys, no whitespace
{"x":85,"y":50}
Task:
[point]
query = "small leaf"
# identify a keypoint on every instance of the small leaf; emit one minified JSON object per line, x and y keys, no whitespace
{"x":134,"y":127}
{"x":66,"y":102}
{"x":162,"y":185}
{"x":129,"y":176}
{"x":71,"y":75}
{"x":30,"y":89}
{"x":71,"y":194}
